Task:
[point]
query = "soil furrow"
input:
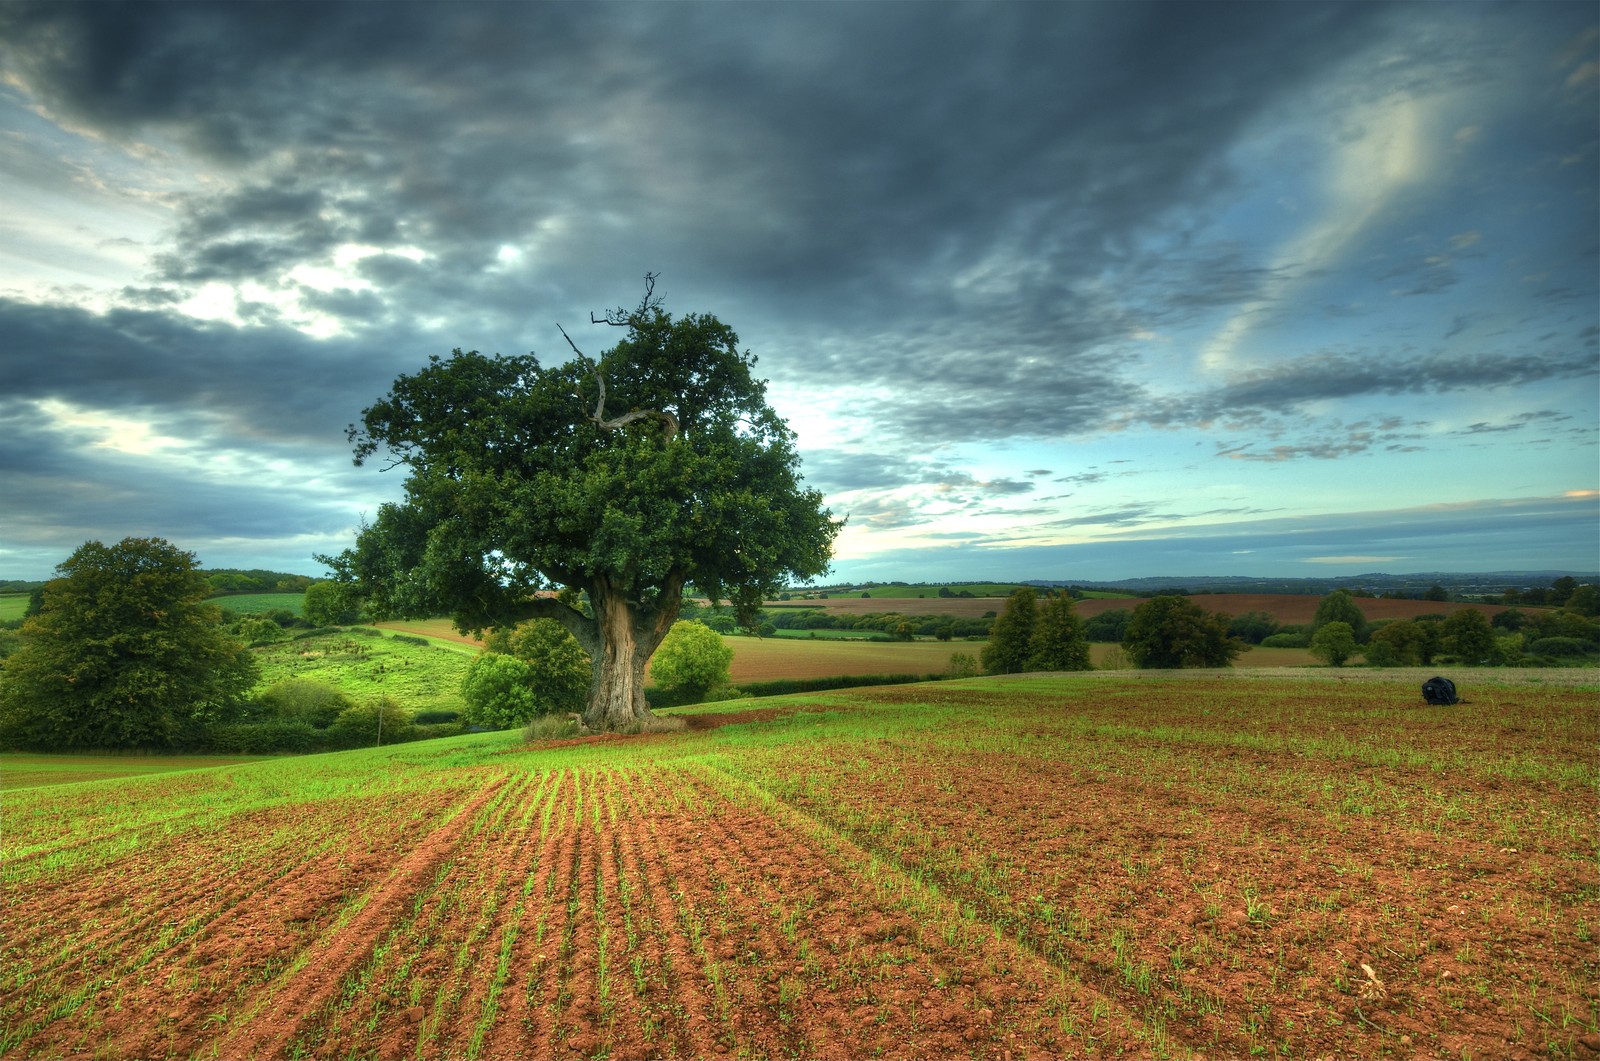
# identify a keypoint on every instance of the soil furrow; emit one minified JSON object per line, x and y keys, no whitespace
{"x":286,"y":1007}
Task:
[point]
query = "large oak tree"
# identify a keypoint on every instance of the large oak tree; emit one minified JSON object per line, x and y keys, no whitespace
{"x":627,"y":479}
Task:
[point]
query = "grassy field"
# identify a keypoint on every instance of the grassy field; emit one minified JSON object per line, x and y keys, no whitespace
{"x":365,"y":664}
{"x":1232,"y":864}
{"x":12,"y":605}
{"x":763,"y":659}
{"x":1286,"y":608}
{"x":27,"y":770}
{"x":977,"y":589}
{"x":256,"y":603}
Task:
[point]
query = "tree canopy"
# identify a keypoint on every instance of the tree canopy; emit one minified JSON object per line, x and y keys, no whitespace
{"x":1010,"y":646}
{"x":523,"y":480}
{"x":1173,"y":631}
{"x":123,"y":653}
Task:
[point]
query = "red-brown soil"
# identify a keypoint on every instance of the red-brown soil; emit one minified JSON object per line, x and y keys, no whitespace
{"x":1182,"y":866}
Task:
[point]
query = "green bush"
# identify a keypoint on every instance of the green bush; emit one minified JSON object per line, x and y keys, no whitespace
{"x":277,"y":736}
{"x":692,"y":660}
{"x":1284,"y":640}
{"x":306,"y":700}
{"x":498,"y":690}
{"x":358,"y":727}
{"x":1562,"y":648}
{"x":435,"y":717}
{"x":437,"y":729}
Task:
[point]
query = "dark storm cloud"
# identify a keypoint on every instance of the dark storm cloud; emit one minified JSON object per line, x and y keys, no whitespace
{"x":1288,"y":386}
{"x":836,"y":162}
{"x":265,"y":383}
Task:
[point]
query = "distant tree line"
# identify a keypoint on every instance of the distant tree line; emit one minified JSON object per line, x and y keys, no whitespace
{"x":226,"y":580}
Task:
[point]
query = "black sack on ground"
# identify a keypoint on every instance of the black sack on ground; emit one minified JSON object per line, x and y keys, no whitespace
{"x":1439,"y":691}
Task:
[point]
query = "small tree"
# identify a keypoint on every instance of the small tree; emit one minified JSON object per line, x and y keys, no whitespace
{"x":1339,"y":607}
{"x":123,"y":653}
{"x":1058,"y":642}
{"x":498,"y":690}
{"x":1011,"y":638}
{"x":1333,"y":643}
{"x":1469,"y":637}
{"x":692,"y":660}
{"x":1172,"y":631}
{"x":328,"y":604}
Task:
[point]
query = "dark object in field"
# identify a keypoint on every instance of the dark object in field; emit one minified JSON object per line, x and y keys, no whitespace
{"x":1439,"y":691}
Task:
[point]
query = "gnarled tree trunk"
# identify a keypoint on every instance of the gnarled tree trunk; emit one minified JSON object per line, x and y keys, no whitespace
{"x":628,"y":635}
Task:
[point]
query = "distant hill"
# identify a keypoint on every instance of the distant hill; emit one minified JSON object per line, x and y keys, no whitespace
{"x":1456,"y":583}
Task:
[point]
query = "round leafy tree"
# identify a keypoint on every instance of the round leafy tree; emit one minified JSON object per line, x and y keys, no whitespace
{"x":1010,"y":646}
{"x":692,"y":660}
{"x":1173,"y":631}
{"x":525,"y":480}
{"x":1058,"y":642}
{"x":1340,"y":607}
{"x":1334,"y":643}
{"x":123,"y":653}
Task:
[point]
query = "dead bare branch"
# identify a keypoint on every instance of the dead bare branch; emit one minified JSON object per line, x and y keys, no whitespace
{"x":669,"y":422}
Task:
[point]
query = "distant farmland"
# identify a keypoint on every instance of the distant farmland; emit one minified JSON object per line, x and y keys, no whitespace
{"x":1287,"y":608}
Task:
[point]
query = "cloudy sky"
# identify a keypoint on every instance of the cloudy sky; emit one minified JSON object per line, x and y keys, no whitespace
{"x":1078,"y":290}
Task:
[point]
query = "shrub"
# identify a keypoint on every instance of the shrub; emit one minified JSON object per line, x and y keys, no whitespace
{"x":499,"y":692}
{"x":963,"y":665}
{"x":1562,"y":648}
{"x":273,"y":736}
{"x":1253,"y":627}
{"x":438,"y":729}
{"x":559,"y":669}
{"x":692,"y":660}
{"x":1283,"y":641}
{"x":550,"y":727}
{"x":381,"y":722}
{"x":307,"y":700}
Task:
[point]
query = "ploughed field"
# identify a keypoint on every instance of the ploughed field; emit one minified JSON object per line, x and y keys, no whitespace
{"x":1226,"y":864}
